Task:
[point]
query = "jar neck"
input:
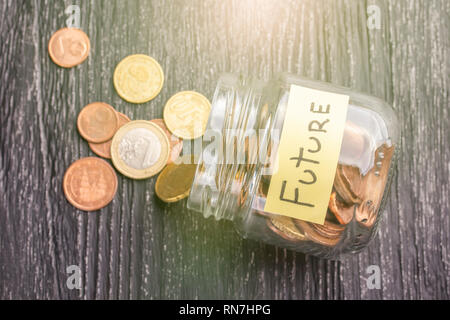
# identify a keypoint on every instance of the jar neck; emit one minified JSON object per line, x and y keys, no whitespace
{"x":235,"y":142}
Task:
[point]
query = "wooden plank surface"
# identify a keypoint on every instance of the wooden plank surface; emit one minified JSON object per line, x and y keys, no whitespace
{"x":140,"y":248}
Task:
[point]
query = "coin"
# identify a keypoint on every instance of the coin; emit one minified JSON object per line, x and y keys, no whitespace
{"x":372,"y":187}
{"x":186,"y":114}
{"x":285,"y":228}
{"x":343,"y":214}
{"x":140,"y":149}
{"x":176,"y":144}
{"x":90,"y":184}
{"x":328,"y":235}
{"x":69,"y":47}
{"x":328,"y":229}
{"x":104,"y":149}
{"x":174,"y":182}
{"x":347,"y":183}
{"x":138,"y":78}
{"x":97,"y":122}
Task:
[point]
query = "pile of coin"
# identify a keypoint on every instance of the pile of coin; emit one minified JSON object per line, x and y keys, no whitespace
{"x":138,"y":149}
{"x":355,"y":200}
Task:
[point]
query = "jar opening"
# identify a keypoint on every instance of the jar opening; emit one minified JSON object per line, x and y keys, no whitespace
{"x":234,"y":148}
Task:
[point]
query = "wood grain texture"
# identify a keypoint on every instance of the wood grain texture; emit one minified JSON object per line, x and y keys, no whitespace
{"x":138,"y":247}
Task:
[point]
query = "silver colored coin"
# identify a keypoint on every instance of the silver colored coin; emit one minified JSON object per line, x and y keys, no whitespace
{"x":140,"y":148}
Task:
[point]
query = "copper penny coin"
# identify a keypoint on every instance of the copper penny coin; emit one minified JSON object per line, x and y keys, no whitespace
{"x":104,"y":149}
{"x":69,"y":47}
{"x":328,"y":235}
{"x":98,"y":122}
{"x":176,"y":144}
{"x":90,"y":184}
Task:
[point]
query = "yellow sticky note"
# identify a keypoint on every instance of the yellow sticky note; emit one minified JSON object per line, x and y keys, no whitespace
{"x":308,"y":154}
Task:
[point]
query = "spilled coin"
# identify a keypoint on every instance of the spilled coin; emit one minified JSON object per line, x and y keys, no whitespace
{"x":186,"y":114}
{"x":97,"y":122}
{"x":138,"y":78}
{"x":69,"y":47}
{"x":174,"y":182}
{"x":140,"y":149}
{"x":104,"y":149}
{"x":90,"y":184}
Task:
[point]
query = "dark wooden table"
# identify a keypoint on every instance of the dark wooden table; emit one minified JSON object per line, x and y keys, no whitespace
{"x":137,"y":247}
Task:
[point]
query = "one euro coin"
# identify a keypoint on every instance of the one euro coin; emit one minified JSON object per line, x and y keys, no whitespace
{"x":140,"y":149}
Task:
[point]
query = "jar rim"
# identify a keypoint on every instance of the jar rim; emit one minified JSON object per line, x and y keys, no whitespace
{"x":234,"y":120}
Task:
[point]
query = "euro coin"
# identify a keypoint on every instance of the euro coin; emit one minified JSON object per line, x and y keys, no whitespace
{"x":104,"y":149}
{"x":97,"y":122}
{"x":140,"y":149}
{"x":328,"y":235}
{"x":176,"y":144}
{"x":69,"y":47}
{"x":90,"y":184}
{"x":186,"y":114}
{"x":285,"y":228}
{"x":138,"y":78}
{"x":174,"y":182}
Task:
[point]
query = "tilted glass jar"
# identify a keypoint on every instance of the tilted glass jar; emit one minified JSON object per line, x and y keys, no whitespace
{"x":247,"y":119}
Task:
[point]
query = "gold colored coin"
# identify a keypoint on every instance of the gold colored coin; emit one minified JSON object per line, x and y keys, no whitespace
{"x":186,"y":114}
{"x":140,"y":149}
{"x":285,"y":227}
{"x":69,"y":47}
{"x":174,"y":182}
{"x":138,"y":78}
{"x":97,"y":122}
{"x":104,"y":149}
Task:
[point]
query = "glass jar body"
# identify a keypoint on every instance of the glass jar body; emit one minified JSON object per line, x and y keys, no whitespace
{"x":240,"y":148}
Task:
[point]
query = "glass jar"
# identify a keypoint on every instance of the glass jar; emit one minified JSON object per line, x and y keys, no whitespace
{"x":233,"y":178}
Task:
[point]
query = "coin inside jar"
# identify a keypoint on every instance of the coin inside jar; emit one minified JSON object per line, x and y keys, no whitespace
{"x":285,"y":228}
{"x":140,"y":149}
{"x":176,"y":144}
{"x":186,"y":114}
{"x":174,"y":182}
{"x":97,"y":122}
{"x":69,"y":47}
{"x":90,"y":184}
{"x":328,"y":234}
{"x":375,"y":180}
{"x":104,"y":149}
{"x":138,"y":78}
